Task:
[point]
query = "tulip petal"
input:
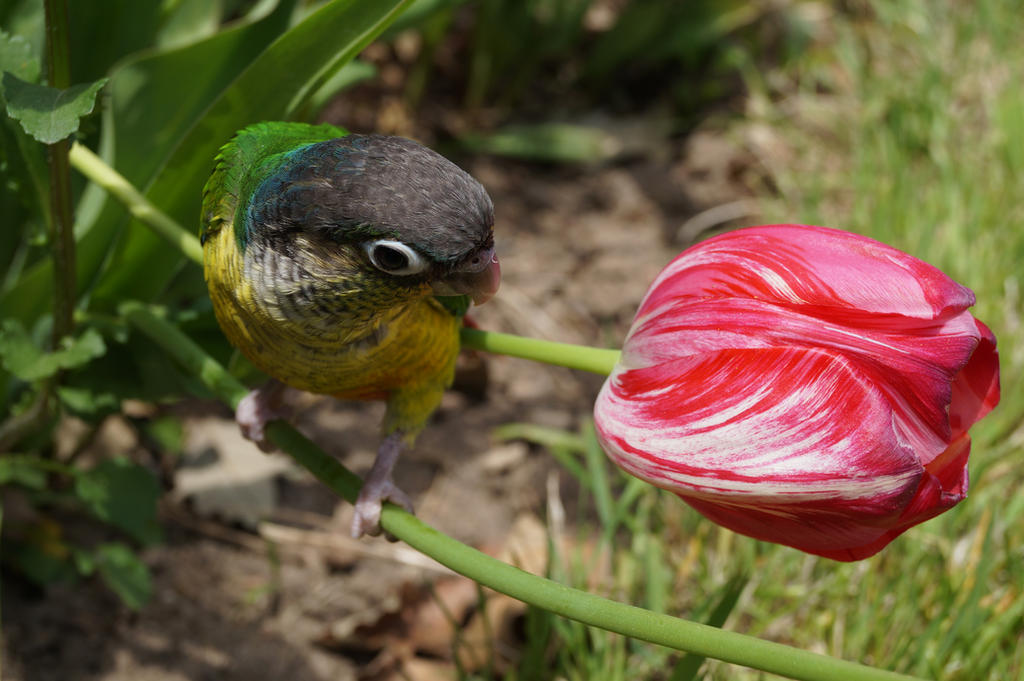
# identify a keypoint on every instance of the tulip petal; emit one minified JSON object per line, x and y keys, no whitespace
{"x":913,"y":361}
{"x":810,"y":266}
{"x":976,"y":388}
{"x":812,"y":530}
{"x":942,"y":487}
{"x":759,"y":427}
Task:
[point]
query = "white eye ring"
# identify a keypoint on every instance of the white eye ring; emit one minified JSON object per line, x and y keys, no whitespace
{"x":394,"y":257}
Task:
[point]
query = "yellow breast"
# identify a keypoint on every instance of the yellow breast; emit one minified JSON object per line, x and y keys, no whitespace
{"x":404,"y":352}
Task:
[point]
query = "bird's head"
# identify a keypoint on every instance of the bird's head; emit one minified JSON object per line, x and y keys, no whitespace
{"x":378,"y":213}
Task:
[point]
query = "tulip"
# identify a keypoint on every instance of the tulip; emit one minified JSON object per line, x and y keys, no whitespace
{"x":802,"y":385}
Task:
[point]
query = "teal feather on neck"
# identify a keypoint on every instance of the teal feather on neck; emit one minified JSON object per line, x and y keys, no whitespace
{"x":238,"y":169}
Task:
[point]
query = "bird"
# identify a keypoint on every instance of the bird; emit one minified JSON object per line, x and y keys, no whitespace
{"x":343,"y":264}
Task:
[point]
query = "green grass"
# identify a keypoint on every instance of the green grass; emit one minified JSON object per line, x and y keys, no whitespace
{"x":904,"y":122}
{"x":909,"y":127}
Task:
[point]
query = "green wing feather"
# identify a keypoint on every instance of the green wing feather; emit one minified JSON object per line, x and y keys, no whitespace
{"x":233,"y":180}
{"x":456,"y":305}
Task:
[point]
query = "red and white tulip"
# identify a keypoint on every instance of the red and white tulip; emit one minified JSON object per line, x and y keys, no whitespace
{"x":802,"y":385}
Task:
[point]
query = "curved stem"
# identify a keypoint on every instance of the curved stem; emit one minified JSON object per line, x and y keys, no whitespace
{"x":94,"y":168}
{"x":557,"y":598}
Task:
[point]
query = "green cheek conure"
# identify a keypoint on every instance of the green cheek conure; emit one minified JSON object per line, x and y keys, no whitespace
{"x":342,"y":264}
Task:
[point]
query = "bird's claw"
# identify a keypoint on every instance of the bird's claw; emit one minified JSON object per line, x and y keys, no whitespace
{"x":259,"y":407}
{"x":366,"y":519}
{"x":377,"y":487}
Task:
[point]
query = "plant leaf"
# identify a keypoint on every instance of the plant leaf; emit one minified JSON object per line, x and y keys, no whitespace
{"x":46,"y":113}
{"x":150,"y":107}
{"x":39,"y":551}
{"x":18,"y":57}
{"x":126,"y":26}
{"x":23,"y":471}
{"x":23,"y":358}
{"x":84,"y":561}
{"x":168,"y":433}
{"x":87,"y":401}
{"x":38,"y":564}
{"x":191,"y":20}
{"x":123,"y":494}
{"x":25,"y":190}
{"x":126,"y":575}
{"x":554,"y":142}
{"x":348,"y":75}
{"x":26,"y":18}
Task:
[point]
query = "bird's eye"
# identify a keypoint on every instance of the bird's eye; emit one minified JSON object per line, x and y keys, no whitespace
{"x":394,"y":257}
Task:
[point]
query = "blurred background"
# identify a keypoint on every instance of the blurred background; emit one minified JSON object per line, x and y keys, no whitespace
{"x":144,"y":539}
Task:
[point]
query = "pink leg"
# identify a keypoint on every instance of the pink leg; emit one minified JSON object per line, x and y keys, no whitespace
{"x":262,"y":405}
{"x":378,"y":487}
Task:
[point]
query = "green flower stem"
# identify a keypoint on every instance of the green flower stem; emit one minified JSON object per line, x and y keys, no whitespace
{"x":596,"y":360}
{"x":543,"y":593}
{"x":61,"y":234}
{"x":97,"y":170}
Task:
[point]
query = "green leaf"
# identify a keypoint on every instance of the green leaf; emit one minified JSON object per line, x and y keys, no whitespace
{"x":555,"y":142}
{"x":26,"y":18}
{"x":46,"y":113}
{"x":191,"y":20}
{"x":149,"y":108}
{"x":126,"y":26}
{"x":23,"y":358}
{"x":38,"y":562}
{"x":26,"y":190}
{"x":38,"y":550}
{"x":134,"y":368}
{"x":24,"y":196}
{"x":87,"y":401}
{"x":85,"y":561}
{"x":123,"y":494}
{"x":126,"y":575}
{"x":23,"y":471}
{"x":168,"y":433}
{"x":18,"y":57}
{"x":348,"y":75}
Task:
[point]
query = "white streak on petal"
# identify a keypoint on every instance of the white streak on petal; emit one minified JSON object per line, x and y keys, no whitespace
{"x":769,"y":442}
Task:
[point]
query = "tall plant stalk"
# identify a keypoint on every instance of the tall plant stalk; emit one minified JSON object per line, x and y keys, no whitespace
{"x":61,"y":233}
{"x":60,"y":228}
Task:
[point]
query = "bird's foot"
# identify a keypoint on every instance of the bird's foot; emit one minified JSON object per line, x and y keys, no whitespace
{"x":379,"y":487}
{"x":366,"y":519}
{"x":259,"y":407}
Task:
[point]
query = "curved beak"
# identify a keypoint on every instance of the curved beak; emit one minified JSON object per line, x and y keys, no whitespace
{"x":478,"y":278}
